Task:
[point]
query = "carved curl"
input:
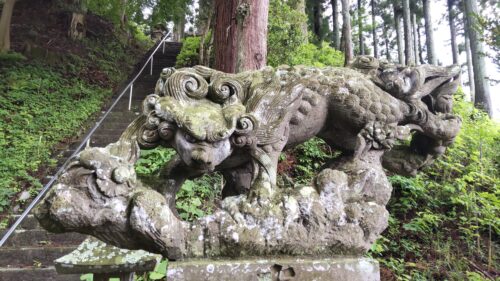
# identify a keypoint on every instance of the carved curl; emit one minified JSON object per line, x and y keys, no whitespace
{"x":184,"y":86}
{"x":223,"y":88}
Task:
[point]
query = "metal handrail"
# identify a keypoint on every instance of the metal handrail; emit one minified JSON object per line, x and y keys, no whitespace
{"x":46,"y":188}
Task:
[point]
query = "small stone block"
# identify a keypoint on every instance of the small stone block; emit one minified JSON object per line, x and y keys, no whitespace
{"x":277,"y":269}
{"x":95,"y":256}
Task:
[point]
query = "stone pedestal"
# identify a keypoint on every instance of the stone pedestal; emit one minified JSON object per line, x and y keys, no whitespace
{"x":276,"y":269}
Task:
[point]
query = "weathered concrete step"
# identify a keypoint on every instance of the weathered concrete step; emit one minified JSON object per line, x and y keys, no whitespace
{"x":34,"y":274}
{"x":37,"y":237}
{"x":28,"y":256}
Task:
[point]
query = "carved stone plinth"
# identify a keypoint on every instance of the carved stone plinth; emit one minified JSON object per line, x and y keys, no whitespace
{"x":105,"y":261}
{"x":279,"y":269}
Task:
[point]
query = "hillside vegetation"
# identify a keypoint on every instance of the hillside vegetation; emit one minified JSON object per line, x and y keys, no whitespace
{"x":49,"y":87}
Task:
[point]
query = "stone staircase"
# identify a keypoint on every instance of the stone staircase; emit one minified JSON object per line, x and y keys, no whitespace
{"x":29,"y":253}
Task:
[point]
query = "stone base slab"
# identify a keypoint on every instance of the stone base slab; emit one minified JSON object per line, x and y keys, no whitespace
{"x":276,"y":269}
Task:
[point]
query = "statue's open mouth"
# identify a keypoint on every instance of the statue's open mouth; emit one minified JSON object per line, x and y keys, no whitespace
{"x":439,"y":86}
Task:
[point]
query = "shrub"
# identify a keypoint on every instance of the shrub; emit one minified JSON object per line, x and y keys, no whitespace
{"x":189,"y":55}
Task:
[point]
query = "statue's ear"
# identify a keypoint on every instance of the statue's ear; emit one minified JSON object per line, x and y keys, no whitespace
{"x":125,"y":149}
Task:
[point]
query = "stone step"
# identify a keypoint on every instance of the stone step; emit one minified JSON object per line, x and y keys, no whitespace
{"x":38,"y":237}
{"x":29,"y":256}
{"x":29,"y":222}
{"x":34,"y":274}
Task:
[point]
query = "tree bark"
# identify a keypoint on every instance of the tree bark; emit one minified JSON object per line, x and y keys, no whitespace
{"x":225,"y":38}
{"x":482,"y":97}
{"x":252,"y":35}
{"x":346,"y":32}
{"x":387,"y":45}
{"x":415,"y":35}
{"x":77,"y":26}
{"x":399,"y":37}
{"x":179,"y":29}
{"x":317,"y":16}
{"x":420,"y":49}
{"x":123,"y":13}
{"x":374,"y":31}
{"x":240,"y":34}
{"x":409,"y":57}
{"x":453,"y":31}
{"x":470,"y":71}
{"x":361,"y":39}
{"x":204,"y":55}
{"x":8,"y":8}
{"x":429,"y":33}
{"x":300,"y":6}
{"x":335,"y":19}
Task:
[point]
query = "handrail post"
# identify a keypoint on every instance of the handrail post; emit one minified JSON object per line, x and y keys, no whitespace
{"x":151,"y":67}
{"x":130,"y":97}
{"x":163,"y":47}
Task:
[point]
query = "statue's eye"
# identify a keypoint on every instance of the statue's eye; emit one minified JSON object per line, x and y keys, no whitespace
{"x":189,"y":138}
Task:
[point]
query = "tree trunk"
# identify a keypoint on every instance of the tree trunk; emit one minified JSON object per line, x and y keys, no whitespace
{"x":409,"y":58}
{"x":453,"y":31}
{"x":77,"y":26}
{"x":204,"y":55}
{"x":387,"y":45}
{"x":415,"y":39}
{"x":225,"y":38}
{"x":252,"y":35}
{"x":374,"y":31}
{"x":240,"y":36}
{"x":482,"y":97}
{"x":346,"y":32}
{"x":470,"y":71}
{"x":123,"y":13}
{"x":429,"y":33}
{"x":420,"y":49}
{"x":300,"y":6}
{"x":8,"y":8}
{"x":179,"y":29}
{"x":399,"y":37}
{"x":335,"y":19}
{"x":317,"y":14}
{"x":360,"y":28}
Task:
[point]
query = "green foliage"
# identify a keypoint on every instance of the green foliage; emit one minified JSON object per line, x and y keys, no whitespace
{"x":39,"y":108}
{"x":312,"y":55}
{"x":189,"y":55}
{"x":284,"y":32}
{"x":196,"y":198}
{"x":286,"y":43}
{"x":443,"y":220}
{"x":45,"y":102}
{"x":11,"y":57}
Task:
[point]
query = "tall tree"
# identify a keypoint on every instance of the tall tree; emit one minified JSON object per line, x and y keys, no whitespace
{"x":420,"y":49}
{"x":361,"y":39}
{"x":346,"y":32}
{"x":453,"y":31}
{"x":470,"y":70}
{"x":415,"y":36}
{"x":409,"y":58}
{"x":300,"y":7}
{"x":374,"y":30}
{"x":335,"y":19}
{"x":399,"y":36}
{"x":7,"y":10}
{"x":240,"y":35}
{"x":429,"y":33}
{"x":482,"y":97}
